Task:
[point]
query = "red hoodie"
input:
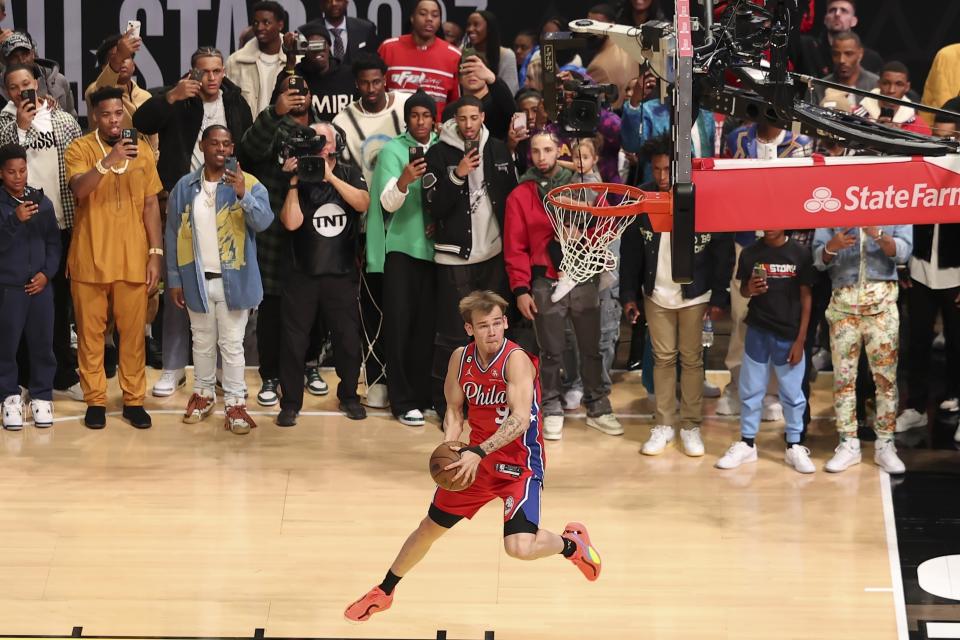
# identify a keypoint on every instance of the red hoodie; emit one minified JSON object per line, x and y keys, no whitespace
{"x":526,"y":235}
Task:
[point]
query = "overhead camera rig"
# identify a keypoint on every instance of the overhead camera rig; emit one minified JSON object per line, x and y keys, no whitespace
{"x":694,"y":58}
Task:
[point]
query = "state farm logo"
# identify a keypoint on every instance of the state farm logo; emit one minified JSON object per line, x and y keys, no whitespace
{"x":891,"y":198}
{"x":822,"y":200}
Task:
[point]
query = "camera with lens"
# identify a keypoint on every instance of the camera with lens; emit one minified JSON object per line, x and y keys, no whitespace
{"x":306,"y":147}
{"x":302,"y":144}
{"x":302,"y":46}
{"x":580,"y":115}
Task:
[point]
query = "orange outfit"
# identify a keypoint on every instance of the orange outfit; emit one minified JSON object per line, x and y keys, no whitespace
{"x":108,"y":263}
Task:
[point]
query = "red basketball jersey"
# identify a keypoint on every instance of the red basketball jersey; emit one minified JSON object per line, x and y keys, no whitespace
{"x":485,"y":389}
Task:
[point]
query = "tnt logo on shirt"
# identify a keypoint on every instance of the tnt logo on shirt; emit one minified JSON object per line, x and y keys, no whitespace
{"x":780,"y":270}
{"x":330,"y":220}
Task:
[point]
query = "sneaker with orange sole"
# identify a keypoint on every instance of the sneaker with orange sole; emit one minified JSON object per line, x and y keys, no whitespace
{"x":586,"y":558}
{"x":373,"y":602}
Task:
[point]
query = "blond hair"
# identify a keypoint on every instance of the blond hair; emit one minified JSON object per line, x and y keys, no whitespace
{"x":591,"y":142}
{"x":482,"y":301}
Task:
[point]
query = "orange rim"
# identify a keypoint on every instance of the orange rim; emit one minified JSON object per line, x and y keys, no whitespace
{"x":649,"y":202}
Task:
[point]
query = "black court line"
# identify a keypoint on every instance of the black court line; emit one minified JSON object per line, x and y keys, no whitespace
{"x":926,"y":511}
{"x":258,"y":634}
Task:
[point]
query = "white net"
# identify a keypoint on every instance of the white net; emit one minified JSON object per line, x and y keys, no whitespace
{"x":585,"y":237}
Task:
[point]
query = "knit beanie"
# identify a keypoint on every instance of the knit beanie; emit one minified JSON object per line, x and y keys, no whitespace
{"x":419,"y":99}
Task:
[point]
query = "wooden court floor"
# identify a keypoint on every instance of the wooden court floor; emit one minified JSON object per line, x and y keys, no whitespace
{"x":189,"y":530}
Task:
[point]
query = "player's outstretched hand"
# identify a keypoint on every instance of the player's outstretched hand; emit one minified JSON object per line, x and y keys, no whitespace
{"x":466,"y":467}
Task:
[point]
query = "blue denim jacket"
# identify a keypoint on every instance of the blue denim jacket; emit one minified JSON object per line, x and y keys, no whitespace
{"x":238,"y":222}
{"x":844,"y":269}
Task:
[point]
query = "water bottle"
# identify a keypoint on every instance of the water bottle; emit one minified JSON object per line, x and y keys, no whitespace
{"x":707,"y":337}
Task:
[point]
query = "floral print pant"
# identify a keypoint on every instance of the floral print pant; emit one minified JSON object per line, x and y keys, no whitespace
{"x":879,"y":333}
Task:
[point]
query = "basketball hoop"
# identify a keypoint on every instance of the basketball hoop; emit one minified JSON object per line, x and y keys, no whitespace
{"x":586,"y":222}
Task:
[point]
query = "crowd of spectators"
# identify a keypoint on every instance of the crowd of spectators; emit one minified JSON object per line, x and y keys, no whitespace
{"x":330,"y":196}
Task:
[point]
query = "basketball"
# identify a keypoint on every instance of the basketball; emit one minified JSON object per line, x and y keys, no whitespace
{"x":440,"y":458}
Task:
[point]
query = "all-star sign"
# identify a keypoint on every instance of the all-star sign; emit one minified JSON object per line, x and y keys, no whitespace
{"x":805,"y":193}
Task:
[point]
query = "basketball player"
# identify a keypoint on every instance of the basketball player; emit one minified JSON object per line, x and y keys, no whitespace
{"x":505,"y":458}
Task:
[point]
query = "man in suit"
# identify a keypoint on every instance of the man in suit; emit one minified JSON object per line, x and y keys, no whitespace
{"x":348,"y":35}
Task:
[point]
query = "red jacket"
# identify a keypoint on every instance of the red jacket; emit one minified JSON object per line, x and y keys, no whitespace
{"x":527,"y":232}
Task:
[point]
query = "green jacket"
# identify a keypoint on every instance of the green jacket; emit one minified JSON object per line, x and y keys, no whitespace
{"x":404,"y":229}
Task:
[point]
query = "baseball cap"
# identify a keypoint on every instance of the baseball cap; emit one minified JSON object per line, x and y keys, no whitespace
{"x":17,"y":40}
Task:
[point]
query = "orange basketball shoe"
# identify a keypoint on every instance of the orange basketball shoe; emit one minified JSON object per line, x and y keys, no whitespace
{"x":373,"y":602}
{"x":585,"y":557}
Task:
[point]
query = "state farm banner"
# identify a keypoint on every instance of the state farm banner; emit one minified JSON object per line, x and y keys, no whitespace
{"x":805,"y":193}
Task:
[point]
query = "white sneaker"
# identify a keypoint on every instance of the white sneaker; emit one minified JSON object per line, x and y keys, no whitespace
{"x":729,"y":402}
{"x":710,"y":390}
{"x":412,"y":418}
{"x":886,"y":457}
{"x":798,"y":457}
{"x":571,"y":400}
{"x":73,"y":392}
{"x":552,"y":427}
{"x":376,"y":397}
{"x":564,"y":285}
{"x":607,"y":423}
{"x":13,"y":413}
{"x":660,"y":437}
{"x":846,"y":455}
{"x":951,"y":405}
{"x":772,"y":409}
{"x":910,"y":419}
{"x":738,"y":453}
{"x":692,"y":443}
{"x":42,"y":411}
{"x":956,"y":436}
{"x":169,"y":382}
{"x":822,"y":360}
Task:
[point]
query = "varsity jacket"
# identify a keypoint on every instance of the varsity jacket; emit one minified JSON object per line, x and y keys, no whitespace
{"x":447,"y":198}
{"x":948,"y":244}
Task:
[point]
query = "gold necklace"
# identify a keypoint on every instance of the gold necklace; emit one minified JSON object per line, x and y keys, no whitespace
{"x":126,"y":163}
{"x":209,"y":197}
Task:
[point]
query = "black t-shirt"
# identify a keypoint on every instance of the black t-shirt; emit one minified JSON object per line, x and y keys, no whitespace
{"x":331,"y":92}
{"x":326,"y":243}
{"x":787,"y":267}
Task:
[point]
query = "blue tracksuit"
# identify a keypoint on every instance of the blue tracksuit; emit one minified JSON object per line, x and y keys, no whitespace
{"x":26,"y":249}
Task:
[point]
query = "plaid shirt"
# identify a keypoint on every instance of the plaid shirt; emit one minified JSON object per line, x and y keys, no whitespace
{"x":66,"y":129}
{"x":259,"y":154}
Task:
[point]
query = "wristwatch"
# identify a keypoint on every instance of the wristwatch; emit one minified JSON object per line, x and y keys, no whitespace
{"x":155,"y":251}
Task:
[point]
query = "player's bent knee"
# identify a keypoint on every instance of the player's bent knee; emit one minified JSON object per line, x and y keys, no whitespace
{"x":520,"y":546}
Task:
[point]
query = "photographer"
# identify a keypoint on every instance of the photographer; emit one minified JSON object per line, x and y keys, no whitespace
{"x":480,"y":82}
{"x":322,"y":209}
{"x":469,"y":176}
{"x":215,"y":212}
{"x":46,"y":132}
{"x":260,"y":152}
{"x":19,"y":49}
{"x":331,"y":83}
{"x":30,"y":252}
{"x":179,"y":115}
{"x":116,"y":255}
{"x":400,"y":247}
